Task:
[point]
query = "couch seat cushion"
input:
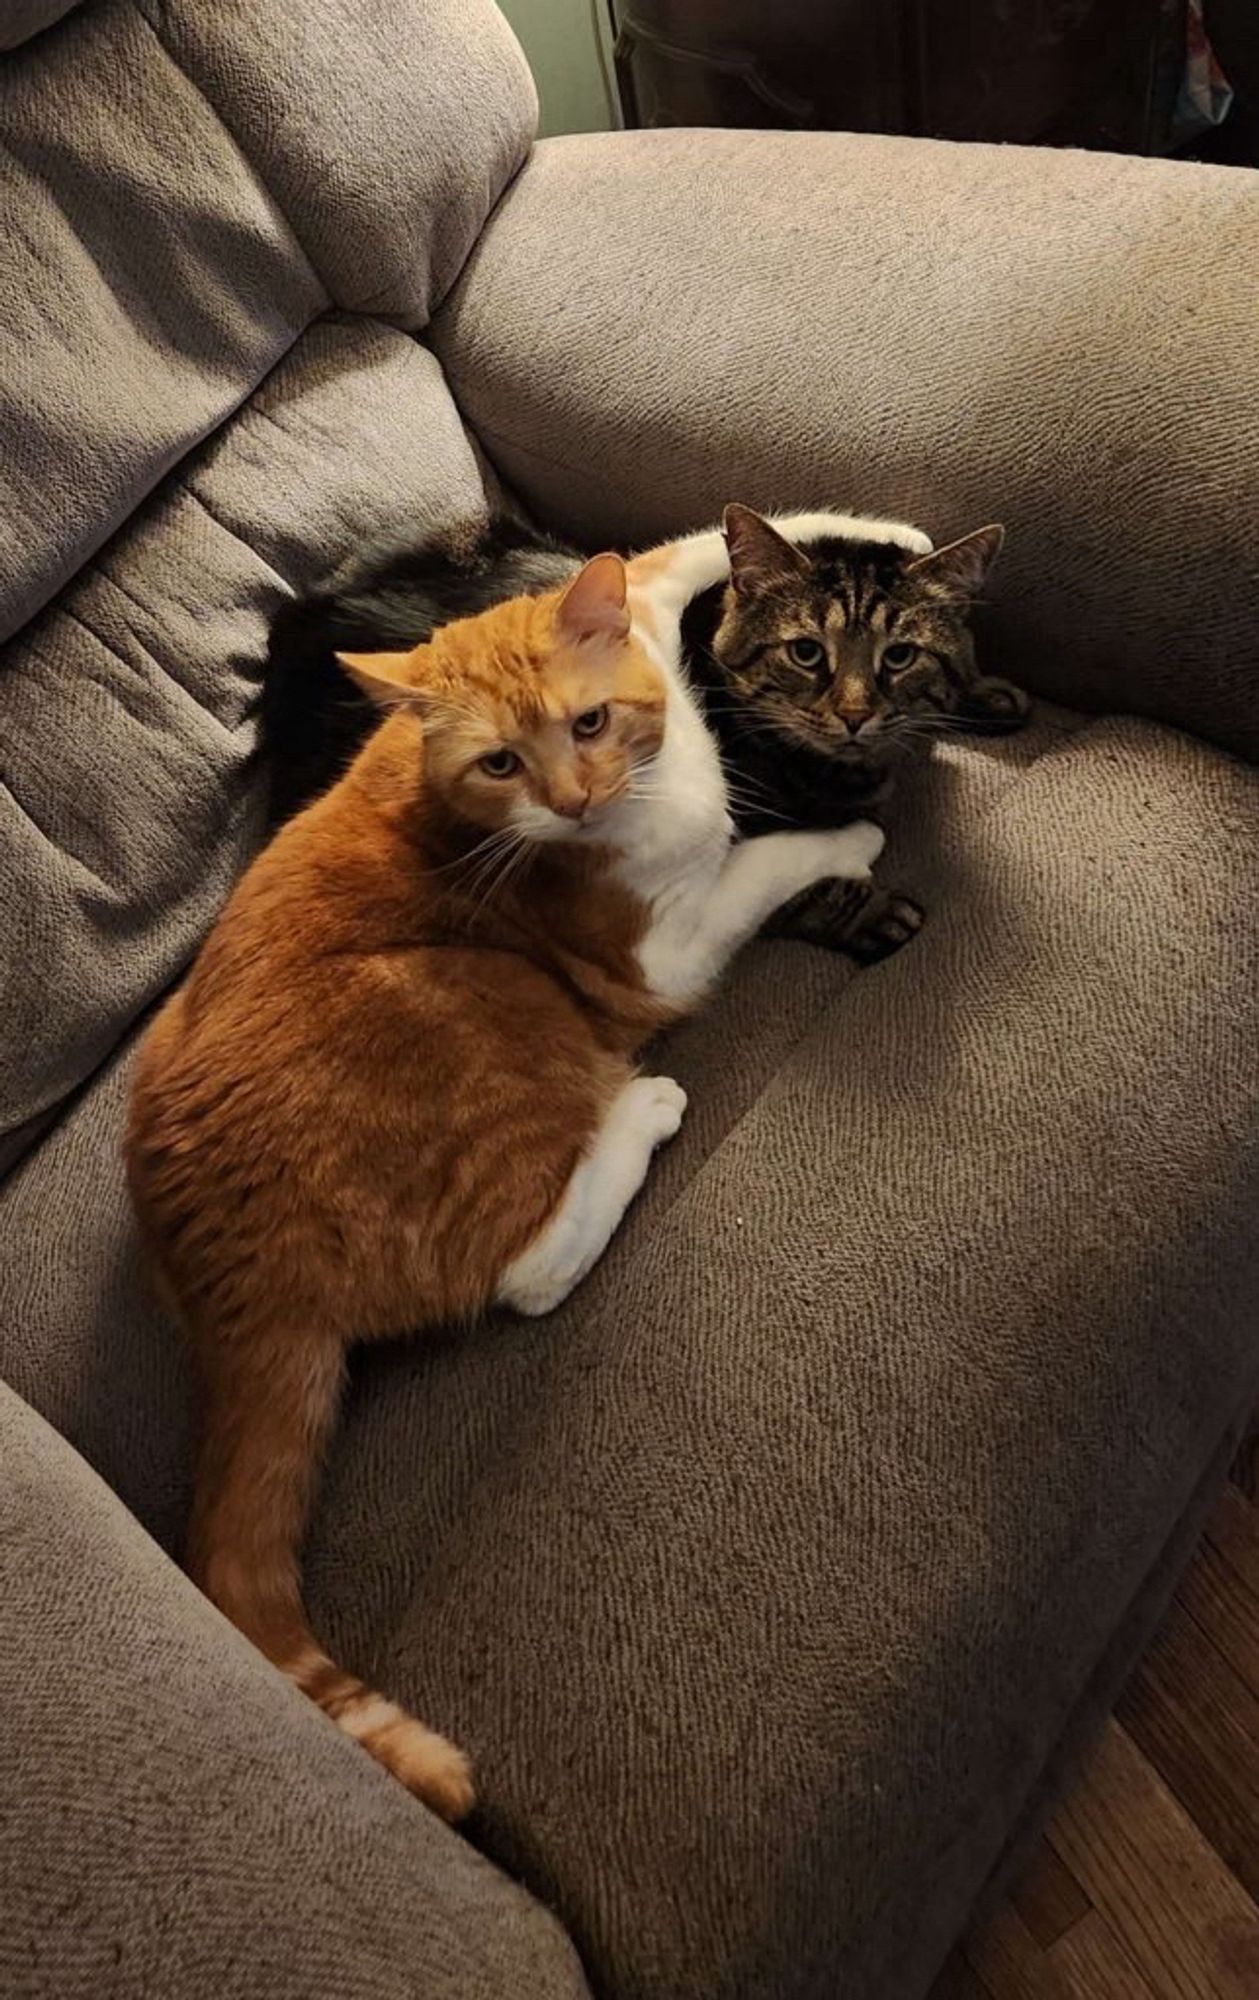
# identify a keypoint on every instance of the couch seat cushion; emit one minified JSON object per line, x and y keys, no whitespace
{"x":763,"y":1578}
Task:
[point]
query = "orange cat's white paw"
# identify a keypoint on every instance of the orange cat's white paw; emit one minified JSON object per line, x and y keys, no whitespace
{"x":659,"y":1106}
{"x":855,"y":849}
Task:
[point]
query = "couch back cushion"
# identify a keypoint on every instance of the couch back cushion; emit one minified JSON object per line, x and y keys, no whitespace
{"x":218,"y":228}
{"x":24,"y":18}
{"x":183,"y":189}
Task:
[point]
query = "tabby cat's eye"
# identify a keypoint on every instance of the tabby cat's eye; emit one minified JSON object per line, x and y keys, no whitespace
{"x":807,"y":653}
{"x":592,"y":722}
{"x":499,"y":763}
{"x":898,"y":656}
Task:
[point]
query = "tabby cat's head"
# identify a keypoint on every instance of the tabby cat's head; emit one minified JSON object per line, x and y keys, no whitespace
{"x":537,"y":713}
{"x":844,"y":646}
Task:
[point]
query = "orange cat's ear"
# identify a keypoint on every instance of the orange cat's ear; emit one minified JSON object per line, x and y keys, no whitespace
{"x":964,"y":564}
{"x":759,"y":555}
{"x":593,"y":606}
{"x":389,"y":678}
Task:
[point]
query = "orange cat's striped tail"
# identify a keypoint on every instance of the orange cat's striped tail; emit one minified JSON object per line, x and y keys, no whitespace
{"x":270,"y":1400}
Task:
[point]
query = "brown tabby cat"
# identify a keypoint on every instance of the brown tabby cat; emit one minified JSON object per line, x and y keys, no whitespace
{"x":824,"y":663}
{"x":398,"y":1085}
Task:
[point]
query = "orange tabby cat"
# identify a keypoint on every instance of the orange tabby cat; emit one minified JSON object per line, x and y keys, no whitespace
{"x":397,"y":1086}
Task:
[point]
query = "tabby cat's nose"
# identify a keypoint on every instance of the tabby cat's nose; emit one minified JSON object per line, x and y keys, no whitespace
{"x":856,"y":718}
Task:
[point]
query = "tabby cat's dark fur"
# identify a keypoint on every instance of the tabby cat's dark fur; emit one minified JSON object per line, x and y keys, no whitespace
{"x":825,"y":667}
{"x":821,"y":668}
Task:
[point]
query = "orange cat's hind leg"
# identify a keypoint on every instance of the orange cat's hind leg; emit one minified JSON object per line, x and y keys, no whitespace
{"x":644,"y":1114}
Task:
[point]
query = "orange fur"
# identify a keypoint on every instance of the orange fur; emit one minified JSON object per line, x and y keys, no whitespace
{"x":370,"y":1094}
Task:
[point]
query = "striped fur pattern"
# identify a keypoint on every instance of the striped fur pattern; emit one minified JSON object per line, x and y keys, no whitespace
{"x":825,"y":666}
{"x":394,"y":1049}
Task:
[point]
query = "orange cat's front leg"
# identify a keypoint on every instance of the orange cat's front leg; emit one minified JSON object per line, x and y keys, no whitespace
{"x":647,"y":1112}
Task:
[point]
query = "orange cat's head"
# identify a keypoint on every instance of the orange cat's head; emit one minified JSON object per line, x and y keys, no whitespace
{"x":537,"y":713}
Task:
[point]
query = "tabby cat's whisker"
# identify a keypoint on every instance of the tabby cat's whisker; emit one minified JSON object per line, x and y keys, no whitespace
{"x":759,"y":807}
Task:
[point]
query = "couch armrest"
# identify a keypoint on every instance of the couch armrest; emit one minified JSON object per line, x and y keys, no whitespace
{"x":656,"y":322}
{"x":175,"y":1820}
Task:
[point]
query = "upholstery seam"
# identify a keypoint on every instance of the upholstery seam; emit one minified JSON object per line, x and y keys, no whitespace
{"x":113,"y":652}
{"x":225,"y":527}
{"x":512,"y":444}
{"x":58,"y":847}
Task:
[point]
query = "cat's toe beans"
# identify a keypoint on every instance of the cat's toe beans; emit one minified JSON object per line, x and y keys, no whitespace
{"x":902,"y":920}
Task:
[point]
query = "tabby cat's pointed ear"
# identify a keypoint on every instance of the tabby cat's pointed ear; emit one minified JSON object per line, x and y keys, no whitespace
{"x":759,"y":555}
{"x":593,"y":606}
{"x":962,"y":565}
{"x":389,"y":678}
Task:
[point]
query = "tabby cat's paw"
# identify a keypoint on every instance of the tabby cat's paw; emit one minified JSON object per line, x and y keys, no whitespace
{"x":865,"y":923}
{"x":996,"y":705}
{"x":886,"y":924}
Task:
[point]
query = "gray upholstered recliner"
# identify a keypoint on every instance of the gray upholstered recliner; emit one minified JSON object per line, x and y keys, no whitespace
{"x":770,"y":1581}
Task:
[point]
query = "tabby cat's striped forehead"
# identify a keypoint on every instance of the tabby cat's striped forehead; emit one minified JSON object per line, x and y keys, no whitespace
{"x":857,"y":583}
{"x":849,"y":589}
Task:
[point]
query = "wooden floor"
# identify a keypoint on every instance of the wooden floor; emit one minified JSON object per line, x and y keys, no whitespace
{"x":1146,"y":1884}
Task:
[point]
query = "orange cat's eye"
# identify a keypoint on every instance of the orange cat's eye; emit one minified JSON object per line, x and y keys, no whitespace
{"x":499,"y":764}
{"x":592,"y":722}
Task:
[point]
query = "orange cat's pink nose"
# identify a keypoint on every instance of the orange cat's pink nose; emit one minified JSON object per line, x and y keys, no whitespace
{"x":569,"y":805}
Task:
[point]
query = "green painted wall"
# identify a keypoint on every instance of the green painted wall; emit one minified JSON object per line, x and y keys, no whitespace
{"x":563,"y":40}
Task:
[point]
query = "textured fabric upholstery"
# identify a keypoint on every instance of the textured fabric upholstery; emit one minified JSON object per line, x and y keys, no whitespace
{"x":771,"y":1580}
{"x":655,"y":322}
{"x":136,"y":310}
{"x":163,"y":243}
{"x":763,"y":1578}
{"x":24,"y":18}
{"x":177,"y":1821}
{"x":385,"y":133}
